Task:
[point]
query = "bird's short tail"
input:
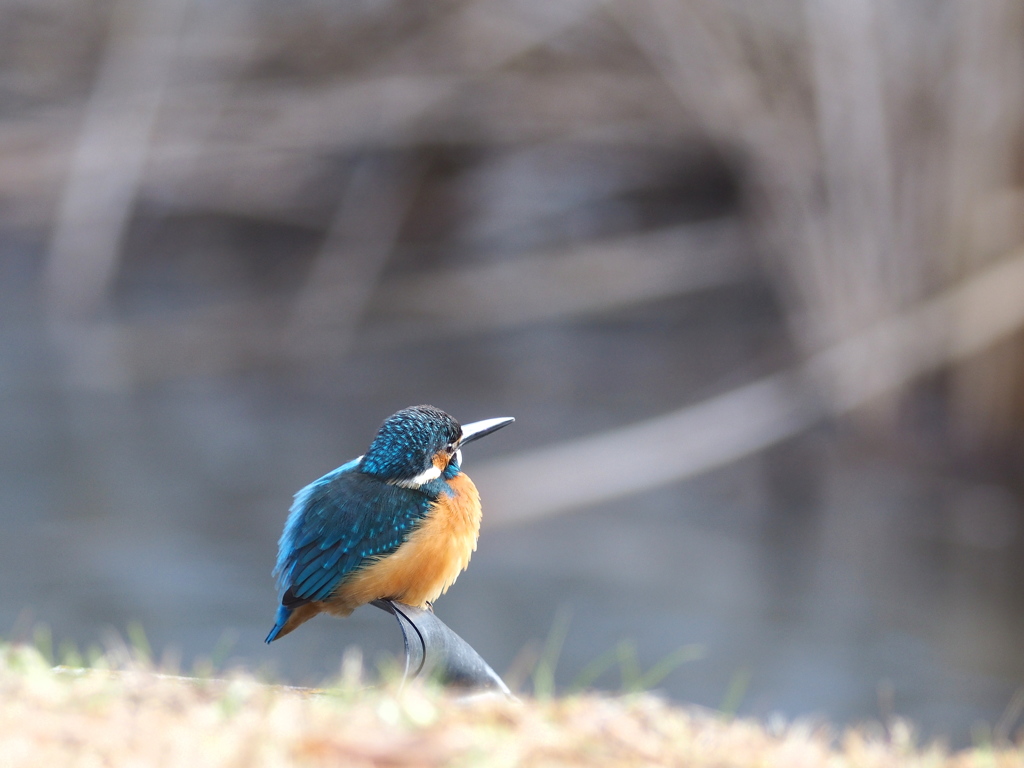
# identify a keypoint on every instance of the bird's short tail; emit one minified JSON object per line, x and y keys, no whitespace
{"x":280,"y":620}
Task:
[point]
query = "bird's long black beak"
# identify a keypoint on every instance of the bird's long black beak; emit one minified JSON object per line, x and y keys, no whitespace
{"x":477,"y":429}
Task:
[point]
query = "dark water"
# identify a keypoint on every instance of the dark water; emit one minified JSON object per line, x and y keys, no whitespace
{"x":820,"y":578}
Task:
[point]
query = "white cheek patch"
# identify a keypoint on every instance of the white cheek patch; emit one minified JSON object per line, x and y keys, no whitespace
{"x":458,"y":457}
{"x":426,"y":476}
{"x":423,"y":477}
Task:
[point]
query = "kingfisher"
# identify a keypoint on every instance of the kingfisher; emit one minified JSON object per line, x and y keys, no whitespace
{"x":397,"y":523}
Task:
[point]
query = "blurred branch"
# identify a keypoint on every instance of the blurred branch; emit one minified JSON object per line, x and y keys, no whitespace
{"x":682,"y":260}
{"x":741,"y":71}
{"x":216,"y":48}
{"x":345,"y":271}
{"x":111,"y":151}
{"x":121,"y":115}
{"x":678,"y":445}
{"x":960,"y":322}
{"x":388,"y":110}
{"x":483,"y":35}
{"x":538,"y":287}
{"x":882,"y":145}
{"x":251,"y":149}
{"x":659,"y":451}
{"x":984,"y":184}
{"x":846,"y":52}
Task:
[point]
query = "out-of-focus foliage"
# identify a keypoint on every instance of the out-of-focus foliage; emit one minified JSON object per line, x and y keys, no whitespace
{"x":877,"y":148}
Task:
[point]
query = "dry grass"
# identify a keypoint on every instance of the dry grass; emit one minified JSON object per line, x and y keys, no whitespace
{"x":138,"y":717}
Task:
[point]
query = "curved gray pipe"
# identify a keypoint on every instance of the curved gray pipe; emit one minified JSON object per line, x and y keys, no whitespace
{"x":432,"y":649}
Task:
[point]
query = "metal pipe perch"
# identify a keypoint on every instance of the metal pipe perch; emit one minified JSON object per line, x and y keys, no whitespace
{"x":433,"y":650}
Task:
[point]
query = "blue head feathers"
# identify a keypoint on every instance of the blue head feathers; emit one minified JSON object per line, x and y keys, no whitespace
{"x":407,"y":442}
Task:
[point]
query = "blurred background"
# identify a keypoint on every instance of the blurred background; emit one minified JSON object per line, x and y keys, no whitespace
{"x":750,"y":276}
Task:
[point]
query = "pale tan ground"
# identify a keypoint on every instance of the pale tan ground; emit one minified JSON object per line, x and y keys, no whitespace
{"x":137,"y":717}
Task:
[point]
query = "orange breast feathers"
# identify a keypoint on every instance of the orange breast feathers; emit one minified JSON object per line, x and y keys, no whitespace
{"x":427,"y":563}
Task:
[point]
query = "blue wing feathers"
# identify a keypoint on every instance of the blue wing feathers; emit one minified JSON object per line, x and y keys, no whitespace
{"x":336,"y":524}
{"x":307,"y":572}
{"x":320,"y":586}
{"x":295,"y":534}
